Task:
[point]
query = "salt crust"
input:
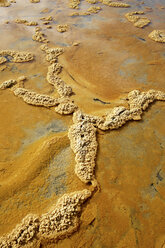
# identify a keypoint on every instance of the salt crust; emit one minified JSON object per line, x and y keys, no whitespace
{"x":82,"y":133}
{"x":73,"y":4}
{"x":18,"y":57}
{"x":27,"y":23}
{"x":7,"y":84}
{"x":157,"y":35}
{"x":115,"y":4}
{"x":62,"y":28}
{"x":61,"y":221}
{"x":137,"y":20}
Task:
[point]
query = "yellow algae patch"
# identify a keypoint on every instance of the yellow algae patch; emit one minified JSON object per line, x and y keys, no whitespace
{"x":7,"y":84}
{"x":94,"y":9}
{"x":39,"y":36}
{"x":18,"y":57}
{"x":2,"y":60}
{"x":4,"y":3}
{"x":73,"y":4}
{"x":62,"y":28}
{"x":137,"y":20}
{"x":157,"y":35}
{"x":27,"y":23}
{"x":61,"y":221}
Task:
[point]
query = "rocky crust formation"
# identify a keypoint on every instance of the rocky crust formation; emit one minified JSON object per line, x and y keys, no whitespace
{"x":115,"y":4}
{"x":2,"y":60}
{"x":7,"y":84}
{"x":82,"y":135}
{"x":73,"y":4}
{"x":62,"y":220}
{"x":157,"y":35}
{"x":34,"y":1}
{"x":62,"y":28}
{"x":94,"y":9}
{"x":66,"y":106}
{"x":18,"y":57}
{"x":39,"y":36}
{"x":137,"y":20}
{"x":34,"y":98}
{"x":27,"y":23}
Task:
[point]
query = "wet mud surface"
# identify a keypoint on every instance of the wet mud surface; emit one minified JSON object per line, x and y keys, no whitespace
{"x":105,"y":57}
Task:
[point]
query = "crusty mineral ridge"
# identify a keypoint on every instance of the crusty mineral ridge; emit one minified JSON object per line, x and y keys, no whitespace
{"x":61,"y":221}
{"x":33,"y":98}
{"x":7,"y":84}
{"x":2,"y":60}
{"x":53,"y":53}
{"x":82,"y":136}
{"x":73,"y":4}
{"x":27,"y":23}
{"x":117,"y":117}
{"x":157,"y":35}
{"x":139,"y":101}
{"x":66,"y":106}
{"x":62,"y":88}
{"x":137,"y":20}
{"x":55,"y":68}
{"x":92,"y":1}
{"x":34,"y":1}
{"x":94,"y":9}
{"x":22,"y":233}
{"x":39,"y":37}
{"x":115,"y":4}
{"x":18,"y":57}
{"x":49,"y":18}
{"x":62,"y":28}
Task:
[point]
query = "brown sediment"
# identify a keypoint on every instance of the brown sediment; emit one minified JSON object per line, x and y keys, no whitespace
{"x":4,"y":3}
{"x":46,"y":22}
{"x":27,"y":23}
{"x":94,"y":9}
{"x":2,"y":60}
{"x":39,"y":36}
{"x":7,"y":84}
{"x":157,"y":35}
{"x":137,"y":20}
{"x":61,"y":221}
{"x":34,"y":98}
{"x":62,"y":28}
{"x":73,"y":4}
{"x":18,"y":57}
{"x":82,"y":135}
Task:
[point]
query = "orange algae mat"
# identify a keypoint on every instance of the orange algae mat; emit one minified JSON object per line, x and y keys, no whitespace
{"x":82,"y":158}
